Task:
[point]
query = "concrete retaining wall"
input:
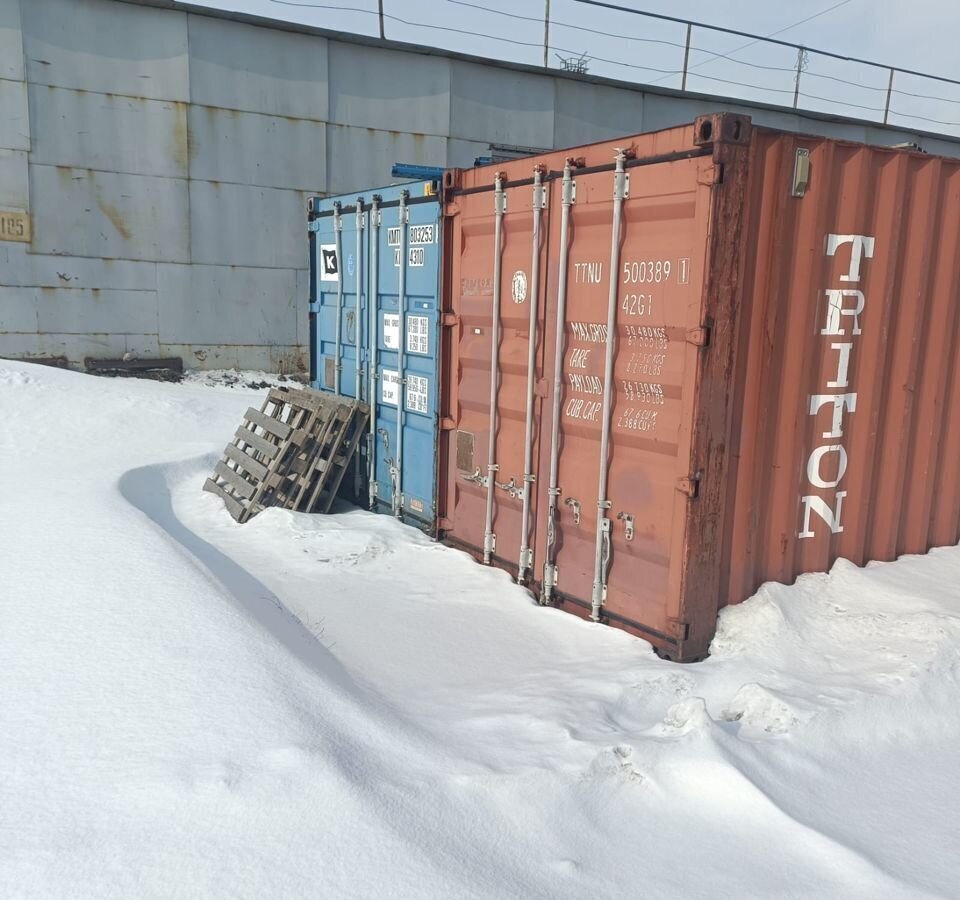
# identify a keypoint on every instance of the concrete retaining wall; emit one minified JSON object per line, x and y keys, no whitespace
{"x":164,"y":156}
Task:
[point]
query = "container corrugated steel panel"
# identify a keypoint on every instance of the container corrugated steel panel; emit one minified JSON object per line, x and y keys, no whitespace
{"x":778,"y":388}
{"x":847,"y":373}
{"x":388,"y":348}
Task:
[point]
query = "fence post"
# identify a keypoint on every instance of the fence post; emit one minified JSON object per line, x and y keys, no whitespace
{"x":886,"y":107}
{"x":686,"y":57}
{"x":546,"y":31}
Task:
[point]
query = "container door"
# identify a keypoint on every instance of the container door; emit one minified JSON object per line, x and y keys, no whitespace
{"x":632,"y":574}
{"x":497,"y":287}
{"x":339,"y":273}
{"x":406,"y":333}
{"x":339,"y":277}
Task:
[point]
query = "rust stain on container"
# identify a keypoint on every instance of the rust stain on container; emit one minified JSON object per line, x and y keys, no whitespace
{"x":783,"y":389}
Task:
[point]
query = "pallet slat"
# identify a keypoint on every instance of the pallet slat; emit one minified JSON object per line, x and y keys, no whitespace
{"x":235,"y":508}
{"x":254,"y":440}
{"x":245,"y":461}
{"x":240,"y":484}
{"x":280,"y":429}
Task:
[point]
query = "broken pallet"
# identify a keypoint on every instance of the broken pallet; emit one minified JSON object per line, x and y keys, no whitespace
{"x":293,"y":453}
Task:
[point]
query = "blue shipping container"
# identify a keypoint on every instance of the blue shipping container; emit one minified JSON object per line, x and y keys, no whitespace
{"x":374,"y":334}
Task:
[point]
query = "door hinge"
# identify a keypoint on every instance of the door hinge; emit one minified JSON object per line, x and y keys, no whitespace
{"x":689,"y":485}
{"x":699,"y":337}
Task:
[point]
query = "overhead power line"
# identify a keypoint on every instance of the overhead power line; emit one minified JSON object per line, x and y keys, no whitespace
{"x":758,"y":40}
{"x":667,"y":72}
{"x":414,"y":24}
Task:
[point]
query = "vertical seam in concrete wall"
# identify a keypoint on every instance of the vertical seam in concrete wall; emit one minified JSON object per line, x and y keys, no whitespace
{"x":556,"y":99}
{"x":186,"y":23}
{"x":26,"y":82}
{"x":326,"y":125}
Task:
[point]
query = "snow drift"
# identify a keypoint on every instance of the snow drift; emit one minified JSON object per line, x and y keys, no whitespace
{"x":337,"y":707}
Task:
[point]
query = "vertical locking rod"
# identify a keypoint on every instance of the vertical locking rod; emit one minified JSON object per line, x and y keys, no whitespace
{"x":526,"y":553}
{"x":553,"y":491}
{"x":401,"y":376}
{"x":602,"y":549}
{"x":338,"y":236}
{"x":499,"y":206}
{"x":373,"y":299}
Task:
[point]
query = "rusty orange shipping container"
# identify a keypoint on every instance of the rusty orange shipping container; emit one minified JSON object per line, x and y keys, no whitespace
{"x":680,"y":364}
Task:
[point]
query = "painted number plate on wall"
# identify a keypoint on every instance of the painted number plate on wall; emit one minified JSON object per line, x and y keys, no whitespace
{"x":15,"y":226}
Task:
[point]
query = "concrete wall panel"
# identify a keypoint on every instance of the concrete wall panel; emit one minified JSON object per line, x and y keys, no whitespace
{"x":492,"y":104}
{"x":239,"y":66}
{"x":84,"y":213}
{"x":303,"y":317}
{"x":75,"y":347}
{"x":389,"y":90}
{"x":227,"y":305}
{"x":20,"y":268}
{"x":254,"y":149}
{"x":18,"y":310}
{"x":273,"y":358}
{"x":238,"y":225}
{"x":181,"y":229}
{"x":111,"y":133}
{"x":461,"y":154}
{"x":79,"y":310}
{"x":14,"y":181}
{"x":114,"y":48}
{"x":14,"y":116}
{"x":595,"y":112}
{"x":11,"y":42}
{"x":362,"y":157}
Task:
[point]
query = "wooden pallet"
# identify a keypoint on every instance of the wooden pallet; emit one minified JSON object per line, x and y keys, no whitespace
{"x":293,"y":453}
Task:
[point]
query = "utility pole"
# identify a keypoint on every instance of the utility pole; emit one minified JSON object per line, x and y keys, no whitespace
{"x":546,"y":31}
{"x":380,"y":6}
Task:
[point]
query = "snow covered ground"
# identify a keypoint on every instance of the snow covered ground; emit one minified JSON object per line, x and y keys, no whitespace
{"x":335,"y":707}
